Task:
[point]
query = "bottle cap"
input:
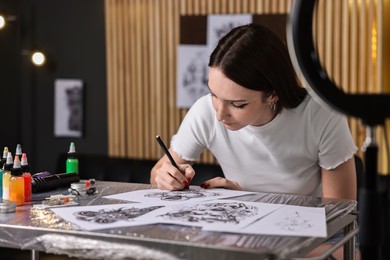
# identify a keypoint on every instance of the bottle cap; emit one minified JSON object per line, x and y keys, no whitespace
{"x":72,"y":148}
{"x":24,"y":159}
{"x":16,"y":169}
{"x":8,"y":165}
{"x":18,"y":149}
{"x":9,"y":158}
{"x":5,"y":153}
{"x":16,"y":162}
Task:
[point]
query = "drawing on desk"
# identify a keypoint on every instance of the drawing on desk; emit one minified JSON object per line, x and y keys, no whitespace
{"x":216,"y":215}
{"x":213,"y":212}
{"x":104,"y":216}
{"x":193,"y":194}
{"x":182,"y":195}
{"x":295,"y":222}
{"x":107,"y":216}
{"x":291,"y":220}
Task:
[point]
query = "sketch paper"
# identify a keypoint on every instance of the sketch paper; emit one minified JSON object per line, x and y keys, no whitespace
{"x":106,"y":216}
{"x":192,"y":74}
{"x":219,"y":25}
{"x":164,"y":197}
{"x":291,"y":221}
{"x":215,"y":215}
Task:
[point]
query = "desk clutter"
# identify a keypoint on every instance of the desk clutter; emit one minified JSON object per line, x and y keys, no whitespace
{"x":17,"y":183}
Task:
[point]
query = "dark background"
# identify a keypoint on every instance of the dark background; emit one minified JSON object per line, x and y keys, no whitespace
{"x":72,"y":34}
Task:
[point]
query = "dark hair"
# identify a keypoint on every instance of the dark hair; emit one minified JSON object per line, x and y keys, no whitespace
{"x":255,"y":58}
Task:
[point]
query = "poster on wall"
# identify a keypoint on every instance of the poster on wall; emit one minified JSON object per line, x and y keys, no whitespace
{"x":196,"y":44}
{"x":68,"y":106}
{"x":219,"y":25}
{"x":192,"y":74}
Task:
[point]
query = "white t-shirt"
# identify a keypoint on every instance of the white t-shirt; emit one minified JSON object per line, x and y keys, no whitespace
{"x":283,"y":156}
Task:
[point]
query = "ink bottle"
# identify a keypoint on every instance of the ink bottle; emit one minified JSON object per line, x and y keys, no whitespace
{"x":72,"y":163}
{"x":16,"y":183}
{"x":27,"y":178}
{"x":1,"y":177}
{"x":3,"y":160}
{"x":6,"y":176}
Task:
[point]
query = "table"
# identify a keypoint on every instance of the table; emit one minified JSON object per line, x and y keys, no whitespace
{"x":41,"y":230}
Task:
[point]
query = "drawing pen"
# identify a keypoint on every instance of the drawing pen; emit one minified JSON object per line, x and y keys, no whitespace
{"x":165,"y":149}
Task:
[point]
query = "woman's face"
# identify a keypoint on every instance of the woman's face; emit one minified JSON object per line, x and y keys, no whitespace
{"x":236,"y":106}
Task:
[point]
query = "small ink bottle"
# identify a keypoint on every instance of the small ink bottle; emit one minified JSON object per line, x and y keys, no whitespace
{"x":72,"y":163}
{"x":16,"y":183}
{"x":3,"y":160}
{"x":27,"y":178}
{"x":7,"y":175}
{"x":1,"y":178}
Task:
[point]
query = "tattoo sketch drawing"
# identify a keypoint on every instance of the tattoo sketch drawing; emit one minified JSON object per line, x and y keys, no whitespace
{"x":296,"y":222}
{"x":213,"y":212}
{"x":182,"y":195}
{"x":110,"y":216}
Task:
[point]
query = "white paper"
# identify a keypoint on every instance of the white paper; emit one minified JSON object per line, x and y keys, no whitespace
{"x":106,"y":216}
{"x":201,"y":208}
{"x":163,"y":197}
{"x":215,"y":215}
{"x":291,"y":221}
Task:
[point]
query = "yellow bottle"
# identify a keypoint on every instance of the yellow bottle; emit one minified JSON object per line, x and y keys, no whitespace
{"x":16,"y":183}
{"x":6,"y":176}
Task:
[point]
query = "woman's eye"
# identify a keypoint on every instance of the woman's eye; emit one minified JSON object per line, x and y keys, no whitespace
{"x":239,"y":106}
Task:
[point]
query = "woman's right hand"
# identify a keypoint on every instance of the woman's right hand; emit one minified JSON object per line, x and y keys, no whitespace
{"x":168,"y":177}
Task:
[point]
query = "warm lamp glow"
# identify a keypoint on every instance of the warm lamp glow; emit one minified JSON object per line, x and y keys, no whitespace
{"x":2,"y":22}
{"x":38,"y":58}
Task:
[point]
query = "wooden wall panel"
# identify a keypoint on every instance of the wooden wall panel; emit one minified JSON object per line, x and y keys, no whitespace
{"x":142,"y":37}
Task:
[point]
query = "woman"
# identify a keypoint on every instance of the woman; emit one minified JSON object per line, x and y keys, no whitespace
{"x":266,"y":132}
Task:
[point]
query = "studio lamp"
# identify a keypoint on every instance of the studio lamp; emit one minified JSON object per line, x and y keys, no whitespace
{"x":371,"y":109}
{"x":4,"y":19}
{"x":37,"y":58}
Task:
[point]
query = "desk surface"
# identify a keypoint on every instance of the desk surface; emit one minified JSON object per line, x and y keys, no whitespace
{"x":41,"y":230}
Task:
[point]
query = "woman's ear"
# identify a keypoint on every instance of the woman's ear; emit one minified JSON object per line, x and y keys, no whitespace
{"x":273,"y":98}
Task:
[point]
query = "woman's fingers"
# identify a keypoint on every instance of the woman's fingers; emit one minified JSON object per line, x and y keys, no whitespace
{"x":170,"y":178}
{"x":220,"y":182}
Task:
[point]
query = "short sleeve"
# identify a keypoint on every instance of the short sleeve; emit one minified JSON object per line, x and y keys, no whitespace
{"x":331,"y":132}
{"x":195,"y":131}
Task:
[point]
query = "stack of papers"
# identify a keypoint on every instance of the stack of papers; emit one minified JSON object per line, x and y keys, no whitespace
{"x":208,"y":209}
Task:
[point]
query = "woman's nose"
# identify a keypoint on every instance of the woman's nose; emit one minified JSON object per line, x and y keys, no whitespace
{"x":221,"y":110}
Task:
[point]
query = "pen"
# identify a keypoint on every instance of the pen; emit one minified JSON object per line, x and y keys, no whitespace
{"x":161,"y":143}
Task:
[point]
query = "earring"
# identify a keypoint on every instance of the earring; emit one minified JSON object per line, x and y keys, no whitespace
{"x":273,"y":106}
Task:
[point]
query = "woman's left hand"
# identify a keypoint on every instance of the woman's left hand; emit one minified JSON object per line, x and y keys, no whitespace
{"x":219,"y":182}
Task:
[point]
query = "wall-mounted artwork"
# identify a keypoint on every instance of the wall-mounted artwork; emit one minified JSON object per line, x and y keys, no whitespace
{"x":199,"y":35}
{"x":68,"y":102}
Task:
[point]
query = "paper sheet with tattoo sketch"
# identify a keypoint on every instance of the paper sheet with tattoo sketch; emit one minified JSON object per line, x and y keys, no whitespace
{"x":106,"y":216}
{"x":291,"y":220}
{"x":225,"y":215}
{"x":164,"y":197}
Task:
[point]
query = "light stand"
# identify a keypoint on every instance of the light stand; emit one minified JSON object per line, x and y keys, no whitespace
{"x":372,"y":109}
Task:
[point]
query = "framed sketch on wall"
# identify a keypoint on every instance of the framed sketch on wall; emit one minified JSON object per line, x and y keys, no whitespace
{"x":197,"y":40}
{"x":68,"y":108}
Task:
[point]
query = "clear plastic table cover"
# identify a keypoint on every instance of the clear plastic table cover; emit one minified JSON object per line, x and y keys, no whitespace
{"x":42,"y":230}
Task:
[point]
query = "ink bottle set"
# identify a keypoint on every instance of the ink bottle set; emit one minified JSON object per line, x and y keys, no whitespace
{"x":15,"y":178}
